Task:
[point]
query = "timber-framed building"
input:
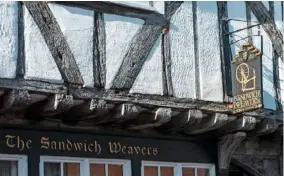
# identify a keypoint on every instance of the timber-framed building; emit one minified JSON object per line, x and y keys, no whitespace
{"x":152,"y":88}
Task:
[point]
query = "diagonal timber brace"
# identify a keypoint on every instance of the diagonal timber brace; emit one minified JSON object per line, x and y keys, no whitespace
{"x":55,"y":41}
{"x":268,"y":24}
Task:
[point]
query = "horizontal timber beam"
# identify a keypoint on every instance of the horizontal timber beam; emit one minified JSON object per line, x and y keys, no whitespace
{"x":149,"y":16}
{"x":148,"y":100}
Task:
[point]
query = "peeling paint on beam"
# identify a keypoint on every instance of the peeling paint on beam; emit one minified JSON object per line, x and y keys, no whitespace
{"x":149,"y":16}
{"x":55,"y":41}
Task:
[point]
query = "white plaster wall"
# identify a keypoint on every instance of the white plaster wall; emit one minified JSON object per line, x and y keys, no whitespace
{"x":149,"y":80}
{"x":77,"y":27}
{"x":119,"y":33}
{"x":278,"y":20}
{"x":40,"y":64}
{"x":182,"y":52}
{"x":267,"y":64}
{"x":211,"y":88}
{"x":8,"y":38}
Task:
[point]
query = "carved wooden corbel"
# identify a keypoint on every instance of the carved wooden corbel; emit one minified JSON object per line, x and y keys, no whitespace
{"x":127,"y":111}
{"x":58,"y":103}
{"x":161,"y":116}
{"x":244,"y":123}
{"x":266,"y":126}
{"x":184,"y":119}
{"x":15,"y":100}
{"x":226,"y":146}
{"x":216,"y":121}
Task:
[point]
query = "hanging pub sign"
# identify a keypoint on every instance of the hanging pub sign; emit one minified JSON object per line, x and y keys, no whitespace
{"x":247,"y":79}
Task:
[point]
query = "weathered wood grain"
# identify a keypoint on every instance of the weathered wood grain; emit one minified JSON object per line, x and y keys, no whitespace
{"x":58,"y":103}
{"x":268,"y":24}
{"x":99,"y":60}
{"x":161,"y":116}
{"x":244,"y":123}
{"x":149,"y":16}
{"x":20,"y":71}
{"x":136,"y":55}
{"x":266,"y":126}
{"x":170,"y":9}
{"x":225,"y":50}
{"x":226,"y":146}
{"x":214,"y":122}
{"x":183,"y":120}
{"x":127,"y":111}
{"x":55,"y":41}
{"x":15,"y":100}
{"x":147,"y":100}
{"x":29,"y":85}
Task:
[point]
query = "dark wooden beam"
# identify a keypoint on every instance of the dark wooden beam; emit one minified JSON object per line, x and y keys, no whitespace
{"x":214,"y":122}
{"x":20,"y":71}
{"x":29,"y":85}
{"x":266,"y":126}
{"x":268,"y":24}
{"x":55,"y":41}
{"x":149,"y":16}
{"x":148,"y":100}
{"x":161,"y":116}
{"x":225,"y":50}
{"x":136,"y":55}
{"x":226,"y":147}
{"x":113,"y":96}
{"x":99,"y":48}
{"x":170,"y":9}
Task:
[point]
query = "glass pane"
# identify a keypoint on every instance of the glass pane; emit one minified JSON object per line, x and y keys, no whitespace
{"x":9,"y":168}
{"x":186,"y":171}
{"x":71,"y":169}
{"x":52,"y":169}
{"x":115,"y":170}
{"x":167,"y":171}
{"x":97,"y":170}
{"x":203,"y":172}
{"x":150,"y":171}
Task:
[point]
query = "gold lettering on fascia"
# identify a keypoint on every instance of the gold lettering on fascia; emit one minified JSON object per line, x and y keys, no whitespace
{"x":46,"y":143}
{"x":117,"y":147}
{"x":17,"y":142}
{"x":68,"y":145}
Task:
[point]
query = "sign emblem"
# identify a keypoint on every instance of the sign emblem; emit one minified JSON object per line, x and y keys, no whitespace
{"x":247,"y":79}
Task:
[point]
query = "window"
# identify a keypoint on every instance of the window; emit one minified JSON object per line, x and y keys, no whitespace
{"x":13,"y":165}
{"x":66,"y":166}
{"x":150,"y":168}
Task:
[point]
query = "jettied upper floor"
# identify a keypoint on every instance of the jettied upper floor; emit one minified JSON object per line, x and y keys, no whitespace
{"x":155,"y":65}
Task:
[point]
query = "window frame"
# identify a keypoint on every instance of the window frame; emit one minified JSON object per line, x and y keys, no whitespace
{"x":22,"y":162}
{"x":178,"y":167}
{"x":85,"y":163}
